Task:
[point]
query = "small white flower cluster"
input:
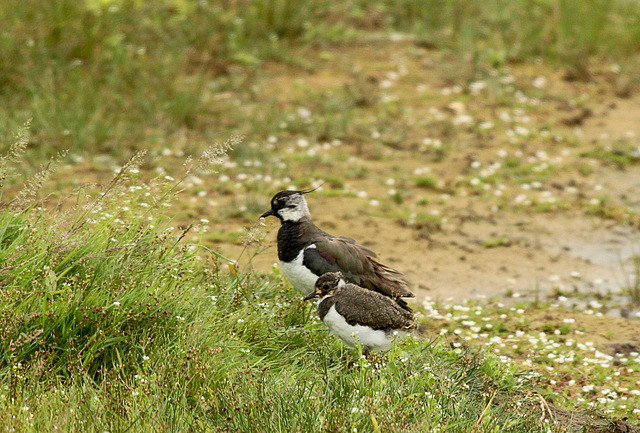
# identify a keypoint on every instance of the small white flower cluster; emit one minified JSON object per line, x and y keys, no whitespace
{"x":552,"y":351}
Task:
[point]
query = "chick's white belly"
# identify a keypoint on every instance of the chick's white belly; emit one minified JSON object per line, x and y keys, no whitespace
{"x":370,"y":339}
{"x":300,"y":277}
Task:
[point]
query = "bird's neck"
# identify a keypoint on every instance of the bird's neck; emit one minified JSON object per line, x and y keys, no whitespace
{"x":291,"y":238}
{"x":324,"y":305}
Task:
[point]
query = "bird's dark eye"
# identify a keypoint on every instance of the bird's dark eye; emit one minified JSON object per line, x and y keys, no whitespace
{"x":326,"y":287}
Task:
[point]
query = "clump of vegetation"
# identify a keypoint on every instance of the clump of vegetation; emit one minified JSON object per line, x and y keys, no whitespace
{"x":633,"y":283}
{"x":110,"y":322}
{"x":555,"y":345}
{"x":94,"y":285}
{"x":621,"y":156}
{"x":427,"y":182}
{"x":497,"y":241}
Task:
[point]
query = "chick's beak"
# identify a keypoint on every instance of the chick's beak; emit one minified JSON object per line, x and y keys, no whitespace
{"x":267,"y":213}
{"x":310,"y":296}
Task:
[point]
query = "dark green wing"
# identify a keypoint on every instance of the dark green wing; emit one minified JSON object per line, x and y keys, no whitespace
{"x":358,"y":264}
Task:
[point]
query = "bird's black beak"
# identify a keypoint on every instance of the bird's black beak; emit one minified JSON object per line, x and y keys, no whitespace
{"x":310,"y":296}
{"x":267,"y":213}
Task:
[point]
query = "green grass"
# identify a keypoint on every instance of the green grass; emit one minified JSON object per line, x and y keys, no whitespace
{"x":112,"y":322}
{"x":103,"y":76}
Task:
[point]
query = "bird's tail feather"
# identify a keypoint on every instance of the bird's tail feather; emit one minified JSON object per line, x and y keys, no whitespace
{"x":392,"y":279}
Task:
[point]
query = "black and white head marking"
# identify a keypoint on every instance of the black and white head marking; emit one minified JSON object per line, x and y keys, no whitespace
{"x":289,"y":206}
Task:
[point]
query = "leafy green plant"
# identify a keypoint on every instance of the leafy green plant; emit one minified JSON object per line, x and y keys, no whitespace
{"x":110,"y":322}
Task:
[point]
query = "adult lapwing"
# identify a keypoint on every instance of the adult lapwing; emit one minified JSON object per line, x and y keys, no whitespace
{"x":306,"y":252}
{"x":357,"y":314}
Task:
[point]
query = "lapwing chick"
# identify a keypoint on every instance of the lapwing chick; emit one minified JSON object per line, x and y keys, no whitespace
{"x":306,"y":252}
{"x":354,"y":313}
